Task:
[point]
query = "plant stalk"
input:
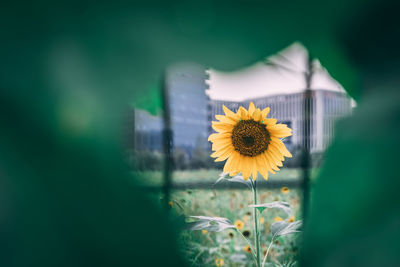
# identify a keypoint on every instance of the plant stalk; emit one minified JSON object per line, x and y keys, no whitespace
{"x":266,"y":255}
{"x":256,"y":226}
{"x":251,"y":247}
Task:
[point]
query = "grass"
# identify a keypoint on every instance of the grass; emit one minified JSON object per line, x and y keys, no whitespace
{"x":203,"y":249}
{"x":206,"y":175}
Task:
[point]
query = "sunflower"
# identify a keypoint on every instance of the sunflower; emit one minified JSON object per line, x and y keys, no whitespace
{"x":239,"y":224}
{"x":219,"y":262}
{"x":249,"y":141}
{"x":246,"y":233}
{"x":285,"y":190}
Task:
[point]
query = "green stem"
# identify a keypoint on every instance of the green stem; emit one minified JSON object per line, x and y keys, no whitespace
{"x":197,"y":256}
{"x":256,"y":230}
{"x":266,"y":254}
{"x":251,"y":247}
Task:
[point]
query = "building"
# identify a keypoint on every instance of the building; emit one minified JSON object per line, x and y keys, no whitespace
{"x":188,"y":111}
{"x":188,"y":106}
{"x":326,"y":108}
{"x":280,"y":85}
{"x":196,"y":96}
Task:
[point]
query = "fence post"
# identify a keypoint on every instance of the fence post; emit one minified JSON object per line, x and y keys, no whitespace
{"x":167,"y":138}
{"x":306,"y":158}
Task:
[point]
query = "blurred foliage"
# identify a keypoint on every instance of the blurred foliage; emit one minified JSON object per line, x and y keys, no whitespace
{"x":69,"y":70}
{"x":354,"y":217}
{"x":179,"y":157}
{"x":147,"y":160}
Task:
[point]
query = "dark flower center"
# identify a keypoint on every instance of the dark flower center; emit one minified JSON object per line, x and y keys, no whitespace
{"x":246,"y":233}
{"x":250,"y":138}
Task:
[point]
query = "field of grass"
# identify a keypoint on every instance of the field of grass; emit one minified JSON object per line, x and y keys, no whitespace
{"x":205,"y":248}
{"x":207,"y":175}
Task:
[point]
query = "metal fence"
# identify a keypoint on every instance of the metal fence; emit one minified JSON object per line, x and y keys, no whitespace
{"x":302,"y":182}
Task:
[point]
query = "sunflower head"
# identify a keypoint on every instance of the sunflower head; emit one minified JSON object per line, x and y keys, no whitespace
{"x":285,"y":190}
{"x":239,"y":224}
{"x":249,"y":141}
{"x":231,"y":234}
{"x":219,"y":262}
{"x":246,"y":233}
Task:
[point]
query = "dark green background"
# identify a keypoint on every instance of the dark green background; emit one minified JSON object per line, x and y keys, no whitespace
{"x":69,"y":70}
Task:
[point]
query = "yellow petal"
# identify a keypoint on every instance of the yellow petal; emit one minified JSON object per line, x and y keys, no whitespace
{"x":260,"y":164}
{"x":265,"y":175}
{"x":264,"y":112}
{"x":271,"y":162}
{"x":277,"y":153}
{"x":224,"y":156}
{"x":257,"y":115}
{"x":229,"y":113}
{"x":234,"y":164}
{"x":279,"y":131}
{"x":242,"y":112}
{"x":274,"y":158}
{"x":218,"y":146}
{"x":269,"y":121}
{"x":228,"y":163}
{"x":281,"y":127}
{"x":220,"y":142}
{"x":221,"y":127}
{"x":219,"y":136}
{"x":246,"y":167}
{"x":253,"y":168}
{"x":221,"y":152}
{"x":226,"y":119}
{"x":254,"y":174}
{"x":281,"y":146}
{"x":252,"y":108}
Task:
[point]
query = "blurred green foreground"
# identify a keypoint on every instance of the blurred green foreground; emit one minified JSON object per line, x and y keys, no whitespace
{"x":68,"y":71}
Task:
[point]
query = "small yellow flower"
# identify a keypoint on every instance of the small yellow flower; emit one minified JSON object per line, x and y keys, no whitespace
{"x":246,"y":219}
{"x":285,"y":190}
{"x":239,"y":224}
{"x":219,"y":262}
{"x":204,"y":232}
{"x":261,"y":220}
{"x":278,"y":219}
{"x":171,"y":204}
{"x":291,"y":219}
{"x":247,"y":249}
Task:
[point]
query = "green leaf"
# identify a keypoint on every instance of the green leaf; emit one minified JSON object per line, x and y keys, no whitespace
{"x":237,"y":179}
{"x":284,"y":228}
{"x":212,"y":224}
{"x":273,"y":205}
